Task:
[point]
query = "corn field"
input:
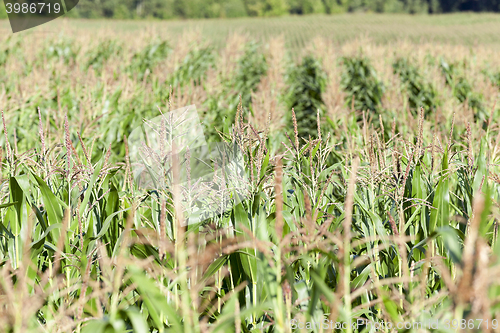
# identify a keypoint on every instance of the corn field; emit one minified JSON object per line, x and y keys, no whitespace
{"x":372,"y":186}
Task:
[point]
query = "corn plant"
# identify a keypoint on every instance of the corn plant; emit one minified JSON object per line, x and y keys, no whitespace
{"x":462,"y":90}
{"x":193,"y":67}
{"x":9,"y":47}
{"x":251,"y":67}
{"x":148,"y":58}
{"x":97,"y":57}
{"x":361,"y":84}
{"x":63,"y":49}
{"x":420,"y":93}
{"x":306,"y":83}
{"x":237,"y":91}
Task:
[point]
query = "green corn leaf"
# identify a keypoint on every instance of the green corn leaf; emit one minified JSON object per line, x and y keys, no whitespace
{"x":215,"y":266}
{"x":107,"y":222}
{"x":451,"y":241}
{"x":440,"y":212}
{"x":137,"y":319}
{"x":8,"y":205}
{"x":96,"y":326}
{"x":392,"y":309}
{"x":481,"y":174}
{"x":53,"y":205}
{"x":156,"y":302}
{"x":17,"y":197}
{"x":41,"y":240}
{"x":90,"y":186}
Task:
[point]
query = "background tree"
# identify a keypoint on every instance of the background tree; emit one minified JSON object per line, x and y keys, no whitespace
{"x":167,"y":9}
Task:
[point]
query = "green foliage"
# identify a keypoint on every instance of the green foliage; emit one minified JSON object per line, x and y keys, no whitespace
{"x":208,"y":8}
{"x":266,"y":7}
{"x":251,"y":67}
{"x":307,"y":6}
{"x":193,"y":67}
{"x":462,"y":89}
{"x":307,"y":82}
{"x":148,"y":58}
{"x":360,"y":81}
{"x":63,"y":49}
{"x":98,"y":56}
{"x":84,"y":249}
{"x":336,"y":6}
{"x":3,"y":13}
{"x":233,"y":8}
{"x":8,"y":48}
{"x":493,"y":76}
{"x":390,"y":6}
{"x":221,"y":109}
{"x":420,"y":93}
{"x":169,"y":9}
{"x":275,"y":7}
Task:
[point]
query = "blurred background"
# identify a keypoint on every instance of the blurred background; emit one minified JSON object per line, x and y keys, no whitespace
{"x":169,"y":9}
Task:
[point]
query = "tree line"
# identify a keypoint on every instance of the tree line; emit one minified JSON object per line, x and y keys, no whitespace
{"x":169,"y":9}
